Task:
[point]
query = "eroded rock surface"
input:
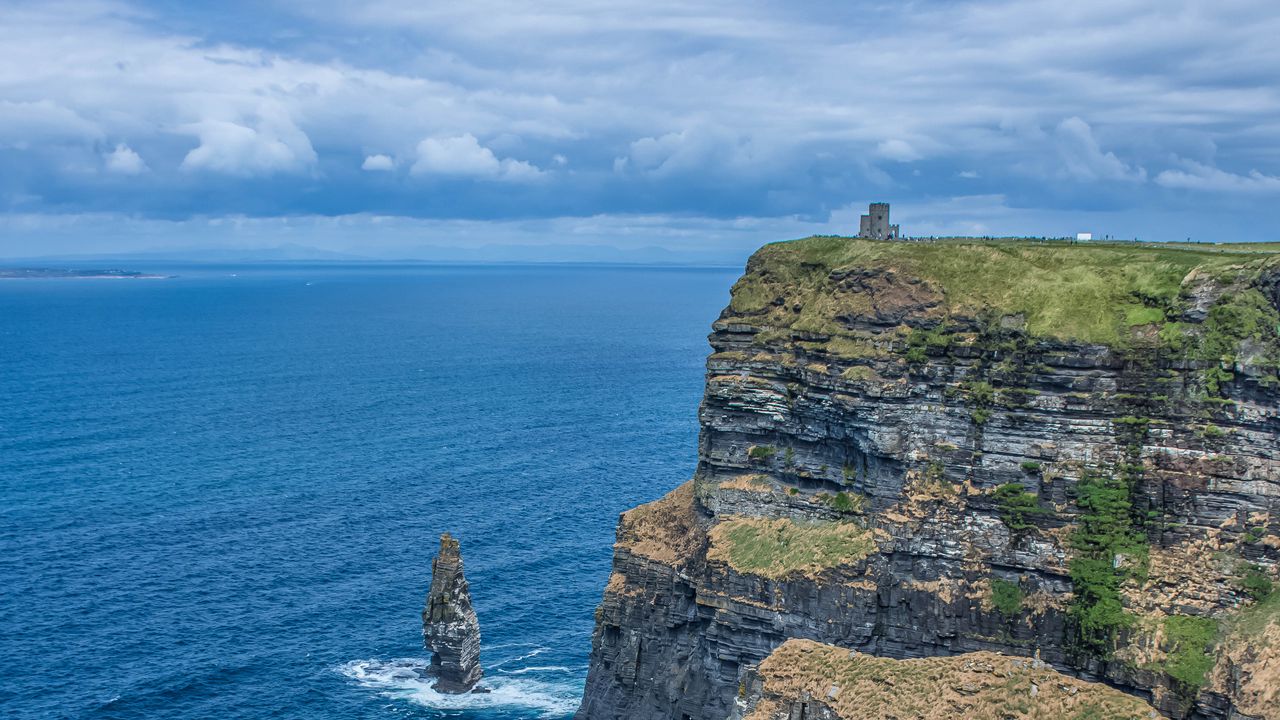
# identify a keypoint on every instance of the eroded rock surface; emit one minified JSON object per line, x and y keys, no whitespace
{"x":450,"y":629}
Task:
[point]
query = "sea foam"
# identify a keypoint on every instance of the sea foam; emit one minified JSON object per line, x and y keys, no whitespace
{"x":406,"y":679}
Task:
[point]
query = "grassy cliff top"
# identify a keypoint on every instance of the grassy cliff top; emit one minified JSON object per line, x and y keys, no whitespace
{"x":974,"y":685}
{"x":1091,"y":292}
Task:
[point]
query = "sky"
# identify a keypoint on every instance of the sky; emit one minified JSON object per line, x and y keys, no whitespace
{"x":572,"y":129}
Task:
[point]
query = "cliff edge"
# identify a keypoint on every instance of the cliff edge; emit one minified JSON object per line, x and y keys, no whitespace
{"x":946,"y":450}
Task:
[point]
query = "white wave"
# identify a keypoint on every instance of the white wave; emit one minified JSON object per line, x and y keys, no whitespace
{"x":534,"y":653}
{"x":538,"y":668}
{"x":406,"y":679}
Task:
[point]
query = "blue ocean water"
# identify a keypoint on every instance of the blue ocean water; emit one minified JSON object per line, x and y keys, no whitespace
{"x":220,"y":493}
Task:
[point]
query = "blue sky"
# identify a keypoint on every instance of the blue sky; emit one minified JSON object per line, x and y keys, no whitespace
{"x":389,"y":129}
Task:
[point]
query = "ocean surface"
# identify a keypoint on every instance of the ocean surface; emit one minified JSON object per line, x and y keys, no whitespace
{"x":220,"y":493}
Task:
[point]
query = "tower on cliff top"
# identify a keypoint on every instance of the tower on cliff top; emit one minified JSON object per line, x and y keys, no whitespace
{"x":875,"y":224}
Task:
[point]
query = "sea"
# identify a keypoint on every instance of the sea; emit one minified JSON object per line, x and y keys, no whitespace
{"x":221,"y":491}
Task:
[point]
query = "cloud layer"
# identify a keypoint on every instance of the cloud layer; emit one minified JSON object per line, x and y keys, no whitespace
{"x":492,"y":111}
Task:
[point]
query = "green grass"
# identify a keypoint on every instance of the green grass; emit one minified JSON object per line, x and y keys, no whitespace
{"x":1257,"y":582}
{"x":1016,"y":506}
{"x":847,"y":502}
{"x":1087,"y":292}
{"x":1253,"y":620}
{"x":1211,"y":431}
{"x":1007,"y":597}
{"x":1106,"y":528}
{"x":777,"y":548}
{"x":761,"y":452}
{"x":1189,"y":641}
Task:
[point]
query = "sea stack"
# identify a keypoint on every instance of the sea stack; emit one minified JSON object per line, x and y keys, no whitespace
{"x":450,"y":629}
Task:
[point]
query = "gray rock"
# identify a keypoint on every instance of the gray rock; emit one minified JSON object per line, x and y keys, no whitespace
{"x":450,"y":629}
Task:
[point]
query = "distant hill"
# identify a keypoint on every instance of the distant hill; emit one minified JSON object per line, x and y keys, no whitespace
{"x":37,"y":273}
{"x":494,"y":253}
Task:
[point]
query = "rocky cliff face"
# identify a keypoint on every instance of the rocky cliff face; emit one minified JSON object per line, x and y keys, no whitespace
{"x":450,"y":629}
{"x":929,"y":450}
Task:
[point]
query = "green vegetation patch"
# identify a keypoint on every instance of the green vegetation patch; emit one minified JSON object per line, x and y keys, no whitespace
{"x":1257,"y":582}
{"x":1007,"y":597}
{"x":778,"y":548}
{"x":1110,"y":548}
{"x":845,"y":502}
{"x":1017,"y":506}
{"x":1088,"y":292}
{"x":761,"y":452}
{"x":1253,"y":620}
{"x":1189,"y":642}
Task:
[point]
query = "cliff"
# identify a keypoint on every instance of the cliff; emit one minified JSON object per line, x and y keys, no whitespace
{"x":949,"y":450}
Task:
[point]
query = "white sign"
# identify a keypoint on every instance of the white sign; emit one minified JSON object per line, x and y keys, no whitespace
{"x":1084,"y":236}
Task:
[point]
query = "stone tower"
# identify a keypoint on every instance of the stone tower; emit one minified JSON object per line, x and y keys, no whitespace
{"x":875,"y":224}
{"x":450,"y":629}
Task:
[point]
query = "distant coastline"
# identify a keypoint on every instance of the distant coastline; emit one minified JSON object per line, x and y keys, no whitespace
{"x":42,"y":273}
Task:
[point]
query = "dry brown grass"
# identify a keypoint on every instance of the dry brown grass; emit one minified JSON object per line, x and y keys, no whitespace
{"x":750,"y":482}
{"x":978,"y":685}
{"x":667,"y":530}
{"x":619,"y":586}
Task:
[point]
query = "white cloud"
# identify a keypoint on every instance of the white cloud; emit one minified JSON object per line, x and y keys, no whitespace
{"x":1084,"y":159}
{"x":273,"y":145}
{"x":520,"y":171}
{"x":24,"y":124}
{"x":702,"y":148}
{"x":124,"y":161}
{"x":464,"y":156}
{"x":378,"y":163}
{"x":899,"y":150}
{"x":1197,"y":176}
{"x":461,"y":155}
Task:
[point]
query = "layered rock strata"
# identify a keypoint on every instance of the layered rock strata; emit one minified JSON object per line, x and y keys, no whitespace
{"x":450,"y":629}
{"x":920,"y":451}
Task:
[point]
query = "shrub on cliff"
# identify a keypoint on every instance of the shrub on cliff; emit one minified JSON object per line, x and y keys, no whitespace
{"x":1006,"y":597}
{"x":1016,"y":505}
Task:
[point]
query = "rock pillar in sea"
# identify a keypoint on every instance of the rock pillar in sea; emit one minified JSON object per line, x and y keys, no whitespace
{"x":450,"y":629}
